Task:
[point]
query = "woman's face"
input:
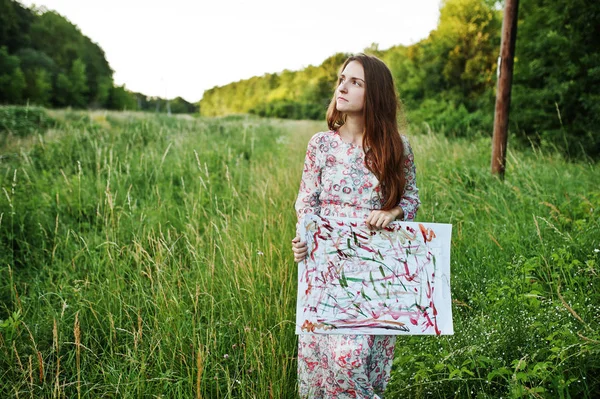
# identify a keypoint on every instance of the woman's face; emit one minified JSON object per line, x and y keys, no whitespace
{"x":350,"y":93}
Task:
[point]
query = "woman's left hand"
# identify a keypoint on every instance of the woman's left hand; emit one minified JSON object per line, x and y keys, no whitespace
{"x":379,"y":219}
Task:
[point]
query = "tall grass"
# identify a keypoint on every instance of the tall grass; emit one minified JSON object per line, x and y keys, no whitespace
{"x":145,"y":256}
{"x":525,"y":285}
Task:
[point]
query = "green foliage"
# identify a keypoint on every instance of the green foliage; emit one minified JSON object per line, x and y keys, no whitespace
{"x":555,"y":99}
{"x":121,"y":99}
{"x":303,"y":94}
{"x":291,"y":110}
{"x":450,"y":118}
{"x":167,"y":239}
{"x":22,"y":121}
{"x":39,"y":70}
{"x":168,"y":191}
{"x":78,"y":84}
{"x":14,"y":25}
{"x":447,"y":80}
{"x":62,"y":90}
{"x":525,"y":276}
{"x":180,"y":106}
{"x":60,"y":66}
{"x":12,"y":80}
{"x":453,"y":69}
{"x":9,"y":327}
{"x":41,"y":88}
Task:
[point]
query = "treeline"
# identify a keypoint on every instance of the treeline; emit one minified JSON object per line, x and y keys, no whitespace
{"x":448,"y":80}
{"x":45,"y":60}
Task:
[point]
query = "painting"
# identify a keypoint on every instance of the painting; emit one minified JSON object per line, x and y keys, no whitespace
{"x":393,"y":281}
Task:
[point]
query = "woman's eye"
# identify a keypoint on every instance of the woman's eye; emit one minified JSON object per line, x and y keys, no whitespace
{"x":356,"y":82}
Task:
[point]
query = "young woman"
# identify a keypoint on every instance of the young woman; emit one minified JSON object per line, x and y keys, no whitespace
{"x":361,"y":168}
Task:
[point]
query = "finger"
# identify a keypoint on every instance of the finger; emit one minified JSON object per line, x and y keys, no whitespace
{"x":388,"y":219}
{"x":301,"y":244}
{"x":378,"y":221}
{"x":369,"y":220}
{"x":296,"y":239}
{"x":300,"y":248}
{"x":386,"y":222}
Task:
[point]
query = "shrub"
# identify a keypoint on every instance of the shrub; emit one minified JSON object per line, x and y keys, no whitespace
{"x":22,"y":121}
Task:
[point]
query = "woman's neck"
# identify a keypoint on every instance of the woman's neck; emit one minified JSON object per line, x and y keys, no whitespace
{"x":353,"y":129}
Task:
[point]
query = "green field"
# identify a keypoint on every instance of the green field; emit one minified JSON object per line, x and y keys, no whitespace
{"x":149,"y":256}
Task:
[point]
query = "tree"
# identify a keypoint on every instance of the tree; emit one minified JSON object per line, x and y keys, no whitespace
{"x":39,"y":70}
{"x":15,"y":21}
{"x":78,"y":88}
{"x":62,"y":89}
{"x":556,"y":101}
{"x":121,"y":99}
{"x":12,"y":79}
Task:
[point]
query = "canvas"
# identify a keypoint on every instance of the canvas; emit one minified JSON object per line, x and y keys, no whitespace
{"x":394,"y":281}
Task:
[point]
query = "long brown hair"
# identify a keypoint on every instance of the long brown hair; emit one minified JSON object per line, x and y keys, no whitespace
{"x":384,"y":150}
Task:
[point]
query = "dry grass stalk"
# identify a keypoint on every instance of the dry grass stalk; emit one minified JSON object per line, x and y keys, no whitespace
{"x":495,"y":241}
{"x":18,"y":358}
{"x":40,"y":365}
{"x":30,"y":372}
{"x":570,"y":309}
{"x":200,"y":368}
{"x":77,"y":334}
{"x":588,"y":339}
{"x":56,"y":351}
{"x":537,"y":227}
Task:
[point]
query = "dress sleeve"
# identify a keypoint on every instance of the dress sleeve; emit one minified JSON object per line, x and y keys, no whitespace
{"x":410,"y":199}
{"x":310,"y":186}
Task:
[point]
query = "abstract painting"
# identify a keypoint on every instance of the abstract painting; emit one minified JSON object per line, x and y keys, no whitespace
{"x":393,"y":281}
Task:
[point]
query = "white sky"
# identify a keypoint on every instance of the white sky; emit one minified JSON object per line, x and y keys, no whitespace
{"x":183,"y":47}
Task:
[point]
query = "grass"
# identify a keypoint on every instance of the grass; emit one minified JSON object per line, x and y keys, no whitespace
{"x":147,"y":256}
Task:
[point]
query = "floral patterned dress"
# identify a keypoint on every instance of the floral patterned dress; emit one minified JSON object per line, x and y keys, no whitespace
{"x":336,"y":182}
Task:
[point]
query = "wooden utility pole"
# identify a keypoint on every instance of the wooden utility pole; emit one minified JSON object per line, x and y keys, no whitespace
{"x":505,"y":72}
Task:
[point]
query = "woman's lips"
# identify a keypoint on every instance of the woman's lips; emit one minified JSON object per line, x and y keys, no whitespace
{"x":342,"y":98}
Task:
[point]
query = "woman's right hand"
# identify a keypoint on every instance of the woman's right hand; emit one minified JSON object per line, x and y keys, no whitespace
{"x":300,"y":249}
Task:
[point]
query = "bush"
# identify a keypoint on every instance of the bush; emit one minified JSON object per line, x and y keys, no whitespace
{"x":22,"y":121}
{"x":451,"y":118}
{"x":288,"y":109}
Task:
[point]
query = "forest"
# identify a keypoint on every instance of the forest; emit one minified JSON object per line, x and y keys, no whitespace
{"x":46,"y":60}
{"x":447,"y":81}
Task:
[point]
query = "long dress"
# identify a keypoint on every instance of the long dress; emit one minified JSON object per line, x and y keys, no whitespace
{"x":336,"y":182}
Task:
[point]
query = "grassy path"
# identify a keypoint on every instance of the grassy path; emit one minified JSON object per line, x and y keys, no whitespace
{"x":149,"y":257}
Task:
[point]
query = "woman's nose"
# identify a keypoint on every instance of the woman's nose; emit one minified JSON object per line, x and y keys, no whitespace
{"x":342,"y":88}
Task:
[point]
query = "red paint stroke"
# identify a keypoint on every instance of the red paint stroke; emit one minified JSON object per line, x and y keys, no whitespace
{"x":316,"y":242}
{"x":428,"y":234}
{"x":309,"y":289}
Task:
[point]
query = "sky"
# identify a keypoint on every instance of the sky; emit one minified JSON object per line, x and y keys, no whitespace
{"x":183,"y":47}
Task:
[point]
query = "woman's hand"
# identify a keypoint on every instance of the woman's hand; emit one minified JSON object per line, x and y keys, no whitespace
{"x":300,"y":249}
{"x":379,"y":219}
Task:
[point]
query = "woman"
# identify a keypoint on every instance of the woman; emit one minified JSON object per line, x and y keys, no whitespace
{"x":361,"y":168}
